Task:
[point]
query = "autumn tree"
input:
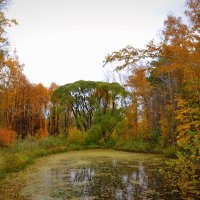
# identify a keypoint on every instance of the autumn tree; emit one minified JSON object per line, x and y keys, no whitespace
{"x":139,"y":109}
{"x":23,"y":105}
{"x":86,"y":100}
{"x":171,"y":72}
{"x":52,"y":116}
{"x":10,"y":70}
{"x":169,"y":90}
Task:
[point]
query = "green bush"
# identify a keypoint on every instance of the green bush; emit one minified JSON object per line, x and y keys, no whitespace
{"x":93,"y":135}
{"x":169,"y":152}
{"x":76,"y":137}
{"x":14,"y":162}
{"x":110,"y":143}
{"x":25,"y":145}
{"x":136,"y":146}
{"x":51,"y":142}
{"x":24,"y":152}
{"x":2,"y":174}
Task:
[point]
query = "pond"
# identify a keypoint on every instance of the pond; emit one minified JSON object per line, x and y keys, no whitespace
{"x":99,"y":175}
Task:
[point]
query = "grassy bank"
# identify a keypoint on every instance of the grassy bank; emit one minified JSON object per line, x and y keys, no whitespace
{"x":24,"y":152}
{"x":141,"y":146}
{"x":16,"y":157}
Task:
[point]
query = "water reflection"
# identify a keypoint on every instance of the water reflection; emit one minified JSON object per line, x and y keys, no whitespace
{"x":112,"y":179}
{"x":78,"y":175}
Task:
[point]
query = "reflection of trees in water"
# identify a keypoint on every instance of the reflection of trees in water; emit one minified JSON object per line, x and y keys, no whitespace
{"x":85,"y":174}
{"x":134,"y":183}
{"x":52,"y":176}
{"x":111,"y":179}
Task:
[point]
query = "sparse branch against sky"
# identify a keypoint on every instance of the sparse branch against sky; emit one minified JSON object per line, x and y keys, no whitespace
{"x":67,"y":40}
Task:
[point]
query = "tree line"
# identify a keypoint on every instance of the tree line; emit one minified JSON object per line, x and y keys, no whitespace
{"x":165,"y":82}
{"x":159,"y":100}
{"x":23,"y":105}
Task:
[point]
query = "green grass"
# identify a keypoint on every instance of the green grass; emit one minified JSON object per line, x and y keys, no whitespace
{"x":138,"y":146}
{"x":1,"y":156}
{"x":2,"y":172}
{"x":24,"y":152}
{"x":141,"y":146}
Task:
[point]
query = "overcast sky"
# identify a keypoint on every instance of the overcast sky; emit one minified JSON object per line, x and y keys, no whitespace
{"x":66,"y":40}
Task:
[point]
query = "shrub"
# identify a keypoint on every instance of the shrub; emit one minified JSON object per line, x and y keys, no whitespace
{"x":136,"y":146}
{"x":169,"y":152}
{"x":93,"y":135}
{"x":2,"y":173}
{"x":26,"y":145}
{"x":7,"y":137}
{"x":14,"y":162}
{"x":52,"y":142}
{"x":76,"y":136}
{"x":111,"y":142}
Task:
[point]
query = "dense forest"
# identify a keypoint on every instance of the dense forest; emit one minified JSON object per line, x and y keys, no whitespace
{"x":157,"y":102}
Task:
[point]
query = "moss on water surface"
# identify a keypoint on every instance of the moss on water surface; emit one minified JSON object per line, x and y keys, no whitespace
{"x":96,"y":174}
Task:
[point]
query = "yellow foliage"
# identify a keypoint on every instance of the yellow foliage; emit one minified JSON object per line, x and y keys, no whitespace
{"x":165,"y":132}
{"x":188,"y":127}
{"x":76,"y":136}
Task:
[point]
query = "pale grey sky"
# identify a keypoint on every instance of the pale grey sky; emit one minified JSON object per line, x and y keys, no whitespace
{"x":67,"y":40}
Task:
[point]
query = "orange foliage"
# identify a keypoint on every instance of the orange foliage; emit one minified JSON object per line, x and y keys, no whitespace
{"x":7,"y":137}
{"x":41,"y":133}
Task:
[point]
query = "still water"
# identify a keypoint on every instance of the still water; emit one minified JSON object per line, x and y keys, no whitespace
{"x":99,"y":175}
